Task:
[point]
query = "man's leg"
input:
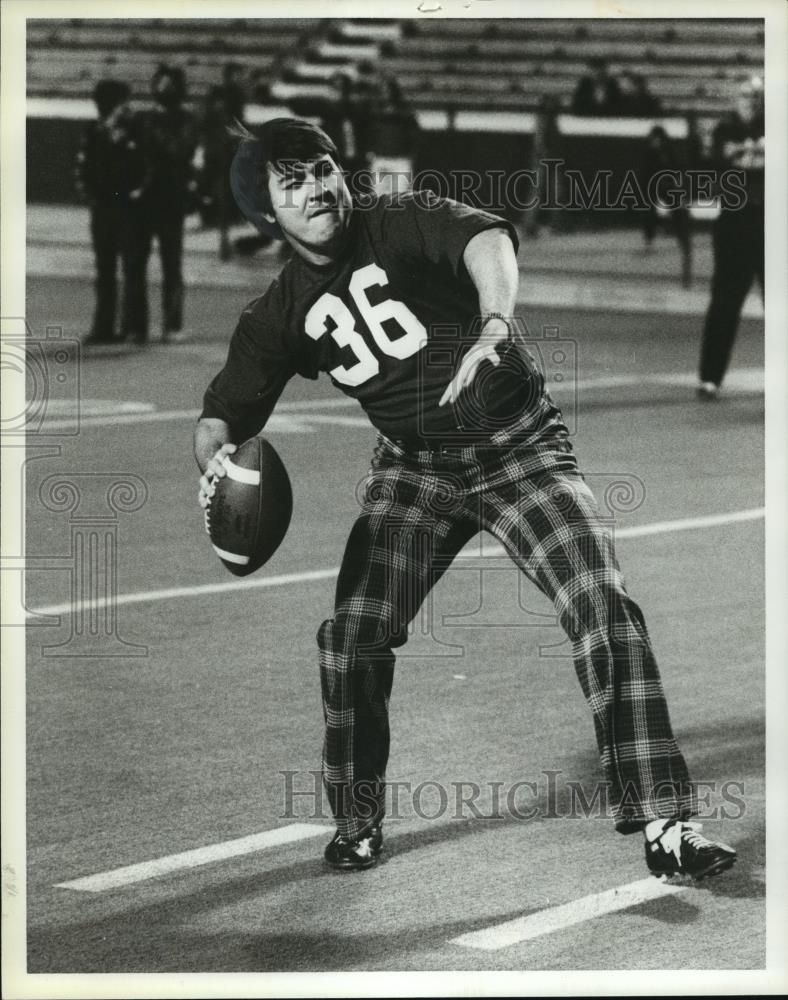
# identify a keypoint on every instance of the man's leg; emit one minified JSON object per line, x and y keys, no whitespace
{"x":758,"y":249}
{"x":400,"y":545}
{"x":170,"y":234}
{"x":680,"y":218}
{"x":135,"y":249}
{"x":734,"y":270}
{"x":549,"y":523}
{"x":104,"y":229}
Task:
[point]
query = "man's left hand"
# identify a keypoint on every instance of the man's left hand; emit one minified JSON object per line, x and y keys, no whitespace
{"x":495,"y":332}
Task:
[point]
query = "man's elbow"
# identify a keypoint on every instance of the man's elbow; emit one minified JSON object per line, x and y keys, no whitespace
{"x":491,"y":247}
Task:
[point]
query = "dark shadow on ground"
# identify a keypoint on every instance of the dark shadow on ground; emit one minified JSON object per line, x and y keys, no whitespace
{"x":155,"y":937}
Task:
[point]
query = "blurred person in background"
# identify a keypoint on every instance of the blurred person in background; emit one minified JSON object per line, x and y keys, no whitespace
{"x":393,"y":138}
{"x":225,"y":104}
{"x":738,"y":239}
{"x":111,"y":174}
{"x":634,"y":98}
{"x":660,"y":155}
{"x":597,"y":93}
{"x":546,"y":147}
{"x":347,"y":118}
{"x":171,"y":139}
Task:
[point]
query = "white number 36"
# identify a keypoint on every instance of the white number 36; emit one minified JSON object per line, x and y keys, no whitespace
{"x":413,"y":338}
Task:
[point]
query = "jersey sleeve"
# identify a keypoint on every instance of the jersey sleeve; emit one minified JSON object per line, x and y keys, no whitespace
{"x":423,"y":225}
{"x":258,"y":367}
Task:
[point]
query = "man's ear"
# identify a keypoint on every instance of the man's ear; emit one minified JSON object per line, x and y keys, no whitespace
{"x":269,"y":218}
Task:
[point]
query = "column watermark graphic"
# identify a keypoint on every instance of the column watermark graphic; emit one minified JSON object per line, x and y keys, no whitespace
{"x":38,"y":424}
{"x":93,"y":501}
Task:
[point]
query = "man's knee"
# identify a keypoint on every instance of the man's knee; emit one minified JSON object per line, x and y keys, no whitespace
{"x":604,"y":614}
{"x":593,"y":609}
{"x":353,"y":635}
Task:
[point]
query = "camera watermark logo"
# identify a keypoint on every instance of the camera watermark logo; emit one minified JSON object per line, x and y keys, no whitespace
{"x":49,"y":368}
{"x":502,"y":399}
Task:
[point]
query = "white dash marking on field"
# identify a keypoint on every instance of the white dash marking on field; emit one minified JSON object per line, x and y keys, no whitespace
{"x":558,"y":918}
{"x":143,"y":413}
{"x":131,"y":874}
{"x":111,"y":414}
{"x":171,"y":593}
{"x":306,"y":576}
{"x":690,"y":523}
{"x":68,"y":409}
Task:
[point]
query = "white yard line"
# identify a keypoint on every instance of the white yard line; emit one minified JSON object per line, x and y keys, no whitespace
{"x":750,"y":380}
{"x":690,"y":523}
{"x":130,"y":874}
{"x":490,"y":549}
{"x":161,"y":416}
{"x":170,"y":593}
{"x":306,"y":576}
{"x":558,"y":918}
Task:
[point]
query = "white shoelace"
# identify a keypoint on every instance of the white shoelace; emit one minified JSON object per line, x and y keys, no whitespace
{"x":671,"y":840}
{"x":364,"y":849}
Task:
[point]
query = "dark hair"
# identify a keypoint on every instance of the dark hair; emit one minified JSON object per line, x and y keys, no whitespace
{"x":281,"y":142}
{"x":176,"y":77}
{"x":108,"y":94}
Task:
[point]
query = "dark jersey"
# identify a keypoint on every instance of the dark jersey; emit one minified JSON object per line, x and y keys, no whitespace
{"x":388,"y":321}
{"x":172,"y":140}
{"x":739,"y":145}
{"x":111,"y":161}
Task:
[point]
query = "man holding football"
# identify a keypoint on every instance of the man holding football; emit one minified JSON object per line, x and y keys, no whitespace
{"x":408,"y":304}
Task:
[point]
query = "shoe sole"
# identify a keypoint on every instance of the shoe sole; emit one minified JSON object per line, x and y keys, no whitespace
{"x":352,"y":867}
{"x":355,"y":866}
{"x":717,"y":868}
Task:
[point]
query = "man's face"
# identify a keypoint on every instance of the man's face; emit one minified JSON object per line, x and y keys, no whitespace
{"x":311,"y":202}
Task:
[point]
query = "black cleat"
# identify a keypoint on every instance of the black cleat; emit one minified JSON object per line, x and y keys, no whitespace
{"x":680,"y":850}
{"x":355,"y":855}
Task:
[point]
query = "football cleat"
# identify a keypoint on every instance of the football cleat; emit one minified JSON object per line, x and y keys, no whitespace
{"x":679,"y":849}
{"x":708,"y":390}
{"x":355,"y":855}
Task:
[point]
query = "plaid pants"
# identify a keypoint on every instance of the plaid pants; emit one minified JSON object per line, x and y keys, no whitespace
{"x":419,"y":509}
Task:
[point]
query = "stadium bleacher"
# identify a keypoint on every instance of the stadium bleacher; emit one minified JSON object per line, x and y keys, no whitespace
{"x":439,"y":63}
{"x":498,"y":84}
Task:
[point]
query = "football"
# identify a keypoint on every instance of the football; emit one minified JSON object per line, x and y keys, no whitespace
{"x":249,"y":513}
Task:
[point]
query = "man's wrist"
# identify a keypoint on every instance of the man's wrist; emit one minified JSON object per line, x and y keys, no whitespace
{"x":487,"y":316}
{"x":491,"y":320}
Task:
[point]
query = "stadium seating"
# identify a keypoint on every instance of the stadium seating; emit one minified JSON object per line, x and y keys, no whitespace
{"x":66,"y":58}
{"x":439,"y":63}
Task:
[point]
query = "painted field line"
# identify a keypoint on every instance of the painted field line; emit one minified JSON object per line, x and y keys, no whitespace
{"x":737,"y":379}
{"x":642,"y":530}
{"x":162,"y":416}
{"x":197,"y":590}
{"x":192,"y":859}
{"x":690,"y":523}
{"x":558,"y":918}
{"x":306,"y":576}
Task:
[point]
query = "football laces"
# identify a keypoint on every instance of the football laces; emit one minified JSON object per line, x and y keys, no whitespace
{"x":207,"y":509}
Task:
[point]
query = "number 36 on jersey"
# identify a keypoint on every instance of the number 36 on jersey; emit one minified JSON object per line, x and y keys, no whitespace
{"x":330,"y":306}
